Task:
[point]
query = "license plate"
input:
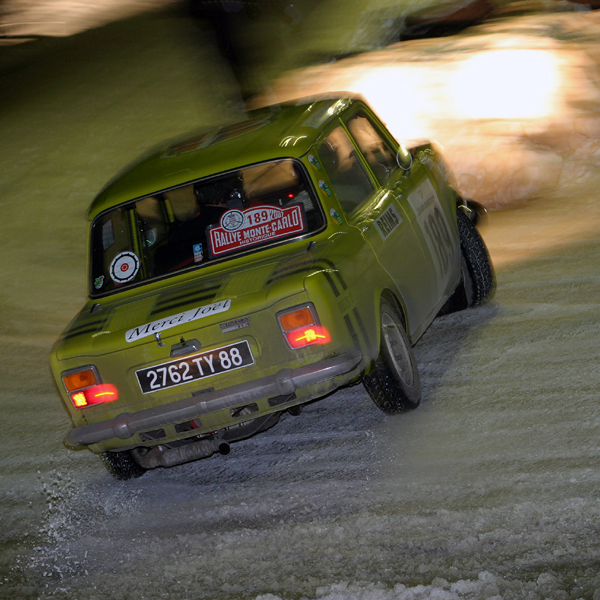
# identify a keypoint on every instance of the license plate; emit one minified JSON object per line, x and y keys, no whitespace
{"x":195,"y":366}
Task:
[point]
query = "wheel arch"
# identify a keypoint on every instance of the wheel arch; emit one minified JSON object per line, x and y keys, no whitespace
{"x":393,"y":380}
{"x":395,"y":300}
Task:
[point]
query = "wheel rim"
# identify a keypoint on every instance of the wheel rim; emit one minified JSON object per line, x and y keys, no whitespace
{"x":396,"y":348}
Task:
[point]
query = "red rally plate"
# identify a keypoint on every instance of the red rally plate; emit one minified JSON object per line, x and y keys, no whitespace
{"x":243,"y":229}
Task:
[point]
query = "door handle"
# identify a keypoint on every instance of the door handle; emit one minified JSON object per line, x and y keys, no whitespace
{"x":185,"y":347}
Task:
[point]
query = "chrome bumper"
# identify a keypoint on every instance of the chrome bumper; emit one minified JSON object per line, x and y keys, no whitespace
{"x":284,"y":382}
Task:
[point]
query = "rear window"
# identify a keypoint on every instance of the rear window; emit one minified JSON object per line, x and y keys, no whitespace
{"x":200,"y":222}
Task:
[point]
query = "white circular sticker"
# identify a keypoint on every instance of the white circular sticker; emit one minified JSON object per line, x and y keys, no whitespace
{"x":124,"y":267}
{"x":232,"y":220}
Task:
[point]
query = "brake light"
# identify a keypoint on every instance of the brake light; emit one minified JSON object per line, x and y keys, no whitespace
{"x":305,"y":336}
{"x":79,"y":400}
{"x":97,"y":394}
{"x":301,"y":327}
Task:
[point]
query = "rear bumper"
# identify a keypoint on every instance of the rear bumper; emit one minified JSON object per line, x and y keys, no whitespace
{"x":284,"y":382}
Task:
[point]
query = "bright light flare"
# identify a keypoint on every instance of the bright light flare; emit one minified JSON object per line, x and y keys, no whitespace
{"x":400,"y":95}
{"x":79,"y":400}
{"x":506,"y":84}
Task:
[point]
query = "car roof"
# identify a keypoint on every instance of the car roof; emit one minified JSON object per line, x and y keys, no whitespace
{"x":279,"y":131}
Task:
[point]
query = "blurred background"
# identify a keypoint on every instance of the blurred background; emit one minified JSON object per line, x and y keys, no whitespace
{"x":509,"y":88}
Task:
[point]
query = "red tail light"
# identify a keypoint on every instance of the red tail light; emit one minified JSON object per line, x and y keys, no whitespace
{"x":305,"y":336}
{"x":97,"y":394}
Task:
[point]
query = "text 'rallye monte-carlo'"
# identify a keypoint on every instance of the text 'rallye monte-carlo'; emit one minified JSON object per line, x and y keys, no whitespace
{"x":250,"y":269}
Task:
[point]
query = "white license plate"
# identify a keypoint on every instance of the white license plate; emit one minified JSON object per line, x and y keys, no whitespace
{"x":195,"y":367}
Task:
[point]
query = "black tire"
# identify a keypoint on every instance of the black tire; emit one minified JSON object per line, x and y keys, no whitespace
{"x":121,"y":465}
{"x":478,"y":279}
{"x":394,"y":383}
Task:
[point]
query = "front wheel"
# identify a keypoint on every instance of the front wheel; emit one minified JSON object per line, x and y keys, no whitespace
{"x":478,"y":278}
{"x":394,"y":383}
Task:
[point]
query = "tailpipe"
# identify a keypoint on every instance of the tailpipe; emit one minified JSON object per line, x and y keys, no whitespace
{"x":161,"y":456}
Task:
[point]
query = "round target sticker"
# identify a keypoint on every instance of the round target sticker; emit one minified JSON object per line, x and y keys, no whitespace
{"x":232,"y":220}
{"x":124,"y":267}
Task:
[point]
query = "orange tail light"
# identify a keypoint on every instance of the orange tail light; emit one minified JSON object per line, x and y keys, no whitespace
{"x":80,"y":380}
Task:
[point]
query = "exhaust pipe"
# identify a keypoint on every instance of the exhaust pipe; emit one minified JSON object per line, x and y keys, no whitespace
{"x":169,"y":457}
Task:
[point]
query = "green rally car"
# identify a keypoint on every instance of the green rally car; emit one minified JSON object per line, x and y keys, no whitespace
{"x":250,"y":269}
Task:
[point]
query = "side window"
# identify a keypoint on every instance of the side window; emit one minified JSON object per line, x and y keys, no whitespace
{"x":377,"y":150}
{"x":348,"y":177}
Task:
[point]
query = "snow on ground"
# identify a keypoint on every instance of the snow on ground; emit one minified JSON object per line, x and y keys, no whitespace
{"x":489,"y":490}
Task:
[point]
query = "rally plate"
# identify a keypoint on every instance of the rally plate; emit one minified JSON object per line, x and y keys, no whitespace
{"x":195,"y":367}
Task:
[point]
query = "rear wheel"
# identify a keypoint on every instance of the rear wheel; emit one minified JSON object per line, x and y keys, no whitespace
{"x":121,"y":465}
{"x":394,"y":383}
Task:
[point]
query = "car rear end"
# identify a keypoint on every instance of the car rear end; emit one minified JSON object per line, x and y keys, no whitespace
{"x":235,"y":359}
{"x":198,"y":332}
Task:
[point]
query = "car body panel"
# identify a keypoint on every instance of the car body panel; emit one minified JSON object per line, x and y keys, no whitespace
{"x":272,"y":133}
{"x":401,"y":237}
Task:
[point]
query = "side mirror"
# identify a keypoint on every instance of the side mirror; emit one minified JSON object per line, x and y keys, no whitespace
{"x":476,"y":212}
{"x":404,"y":158}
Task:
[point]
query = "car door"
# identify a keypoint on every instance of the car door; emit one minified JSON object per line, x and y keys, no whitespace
{"x":365,"y":185}
{"x":430,"y":222}
{"x":416,"y":189}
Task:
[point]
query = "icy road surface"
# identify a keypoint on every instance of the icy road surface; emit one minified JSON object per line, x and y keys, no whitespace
{"x":489,"y":490}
